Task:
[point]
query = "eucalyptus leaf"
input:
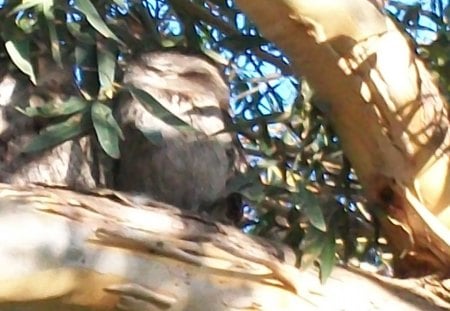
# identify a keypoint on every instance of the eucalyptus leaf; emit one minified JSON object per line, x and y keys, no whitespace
{"x":310,"y":206}
{"x":158,"y":110}
{"x":315,"y":216}
{"x":19,"y":51}
{"x":53,"y":35}
{"x":94,"y":18}
{"x":78,"y":32}
{"x":327,"y":258}
{"x":59,"y":133}
{"x":106,"y":58}
{"x":56,"y":109}
{"x":311,"y":246}
{"x":107,"y":129}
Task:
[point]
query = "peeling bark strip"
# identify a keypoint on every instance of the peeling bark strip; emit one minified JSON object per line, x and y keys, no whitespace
{"x":375,"y":81}
{"x":63,"y":250}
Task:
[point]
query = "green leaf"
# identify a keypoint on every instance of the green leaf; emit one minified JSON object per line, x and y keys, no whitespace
{"x":312,"y":246}
{"x":310,"y":206}
{"x":59,"y":133}
{"x":94,"y":18}
{"x":107,"y":129}
{"x":158,"y":110}
{"x":327,"y":258}
{"x":53,"y":35}
{"x":107,"y":69}
{"x":315,"y":216}
{"x":56,"y":109}
{"x":80,"y":33}
{"x":19,"y":51}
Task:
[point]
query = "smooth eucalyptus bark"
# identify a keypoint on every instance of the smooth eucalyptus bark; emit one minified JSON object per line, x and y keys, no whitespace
{"x":62,"y":250}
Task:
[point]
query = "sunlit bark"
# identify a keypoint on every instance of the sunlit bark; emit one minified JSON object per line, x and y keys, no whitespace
{"x":62,"y":250}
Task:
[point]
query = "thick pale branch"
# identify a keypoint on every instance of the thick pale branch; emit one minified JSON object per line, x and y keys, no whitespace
{"x":61,"y":250}
{"x":96,"y":252}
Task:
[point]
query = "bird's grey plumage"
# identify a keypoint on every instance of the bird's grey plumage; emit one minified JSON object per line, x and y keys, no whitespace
{"x":186,"y":168}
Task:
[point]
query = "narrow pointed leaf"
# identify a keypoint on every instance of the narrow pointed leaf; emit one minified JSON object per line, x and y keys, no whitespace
{"x":107,"y":69}
{"x":94,"y":18}
{"x":19,"y":51}
{"x":56,"y":109}
{"x":59,"y":133}
{"x":310,"y":206}
{"x":53,"y":34}
{"x":158,"y":110}
{"x":327,"y":258}
{"x":311,"y":246}
{"x":80,"y":34}
{"x":107,"y":129}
